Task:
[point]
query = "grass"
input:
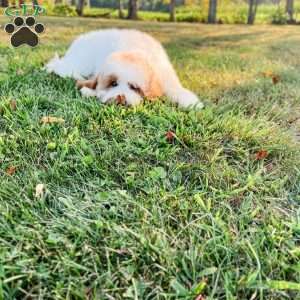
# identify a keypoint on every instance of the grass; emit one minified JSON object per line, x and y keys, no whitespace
{"x":228,"y":13}
{"x":126,"y":213}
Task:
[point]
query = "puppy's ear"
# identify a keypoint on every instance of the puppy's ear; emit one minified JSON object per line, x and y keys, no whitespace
{"x":91,"y":83}
{"x":154,"y":88}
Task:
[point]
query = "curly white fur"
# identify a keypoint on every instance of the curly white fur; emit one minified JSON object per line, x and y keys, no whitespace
{"x":122,"y":64}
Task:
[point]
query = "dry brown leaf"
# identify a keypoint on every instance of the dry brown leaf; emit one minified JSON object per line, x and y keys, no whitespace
{"x":269,"y":74}
{"x":170,"y":136}
{"x":13,"y":104}
{"x":52,"y":120}
{"x":20,"y":72}
{"x":275,"y":79}
{"x":11,"y":170}
{"x":261,"y":154}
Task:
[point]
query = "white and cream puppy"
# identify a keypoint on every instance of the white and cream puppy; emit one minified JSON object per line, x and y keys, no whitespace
{"x":123,"y":66}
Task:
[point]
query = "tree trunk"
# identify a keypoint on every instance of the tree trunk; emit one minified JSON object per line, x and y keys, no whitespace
{"x":172,"y":10}
{"x":79,"y":7}
{"x":212,"y":11}
{"x":4,"y":3}
{"x":252,"y":11}
{"x":290,"y":10}
{"x":120,"y":9}
{"x":132,"y":9}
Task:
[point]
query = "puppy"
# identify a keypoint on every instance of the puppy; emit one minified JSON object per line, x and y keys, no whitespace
{"x":122,"y":66}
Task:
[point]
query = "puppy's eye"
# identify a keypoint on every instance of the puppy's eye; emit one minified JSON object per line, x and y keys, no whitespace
{"x":113,"y":83}
{"x":135,"y":88}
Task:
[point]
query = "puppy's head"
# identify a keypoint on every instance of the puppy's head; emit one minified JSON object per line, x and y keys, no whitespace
{"x":126,"y":78}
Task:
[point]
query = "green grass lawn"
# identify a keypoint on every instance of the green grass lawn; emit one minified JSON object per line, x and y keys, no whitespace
{"x":126,"y":213}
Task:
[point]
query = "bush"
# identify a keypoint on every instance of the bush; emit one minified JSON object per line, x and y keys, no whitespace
{"x":154,"y":16}
{"x":190,"y":14}
{"x":190,"y":17}
{"x":240,"y":17}
{"x":63,"y":10}
{"x":100,"y":13}
{"x":279,"y":17}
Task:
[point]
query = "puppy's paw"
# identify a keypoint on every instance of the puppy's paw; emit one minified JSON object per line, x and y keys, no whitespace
{"x":133,"y":101}
{"x":86,"y":92}
{"x":51,"y":65}
{"x":122,"y":100}
{"x":187,"y":99}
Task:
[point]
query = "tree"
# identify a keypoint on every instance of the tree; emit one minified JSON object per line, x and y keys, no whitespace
{"x":172,"y":10}
{"x":120,"y":9}
{"x":79,"y":7}
{"x":212,"y":11}
{"x":4,"y":3}
{"x":132,"y":9}
{"x":252,"y":11}
{"x":290,"y":10}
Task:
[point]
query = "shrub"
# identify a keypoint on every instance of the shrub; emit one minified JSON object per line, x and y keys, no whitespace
{"x":240,"y":17}
{"x":190,"y":17}
{"x":279,"y":17}
{"x":190,"y":14}
{"x":100,"y":13}
{"x":154,"y":16}
{"x":63,"y":10}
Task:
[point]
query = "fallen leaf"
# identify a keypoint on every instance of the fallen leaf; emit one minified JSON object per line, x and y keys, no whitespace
{"x":170,"y":136}
{"x":20,"y":72}
{"x":261,"y":154}
{"x":275,"y":79}
{"x":11,"y":170}
{"x":269,"y":74}
{"x":39,"y":190}
{"x":52,"y":120}
{"x":13,"y":104}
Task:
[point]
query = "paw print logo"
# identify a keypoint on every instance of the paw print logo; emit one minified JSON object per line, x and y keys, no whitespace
{"x":24,"y":31}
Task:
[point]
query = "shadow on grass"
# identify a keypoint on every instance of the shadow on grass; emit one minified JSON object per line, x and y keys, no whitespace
{"x":218,"y":41}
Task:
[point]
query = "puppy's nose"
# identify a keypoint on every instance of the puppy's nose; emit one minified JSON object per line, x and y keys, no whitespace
{"x":121,"y":100}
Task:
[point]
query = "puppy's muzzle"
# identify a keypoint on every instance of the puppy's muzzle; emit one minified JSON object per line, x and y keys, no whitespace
{"x":120,"y":100}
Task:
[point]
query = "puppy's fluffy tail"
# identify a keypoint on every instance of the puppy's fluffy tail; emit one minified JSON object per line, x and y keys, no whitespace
{"x":61,"y":67}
